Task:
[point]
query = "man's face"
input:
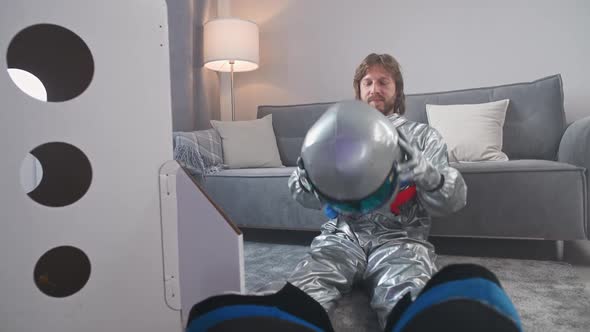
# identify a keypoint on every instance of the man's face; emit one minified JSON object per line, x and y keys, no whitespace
{"x":378,"y":89}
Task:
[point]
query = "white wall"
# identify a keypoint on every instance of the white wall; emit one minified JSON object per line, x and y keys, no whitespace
{"x":310,"y":48}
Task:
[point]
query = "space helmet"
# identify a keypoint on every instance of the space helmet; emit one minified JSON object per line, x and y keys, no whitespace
{"x":351,"y":156}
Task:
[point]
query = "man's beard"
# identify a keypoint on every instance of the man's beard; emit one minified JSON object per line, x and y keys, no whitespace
{"x":388,"y":105}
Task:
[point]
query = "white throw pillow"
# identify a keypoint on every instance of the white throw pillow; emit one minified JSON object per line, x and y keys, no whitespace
{"x":248,"y":143}
{"x":473,"y":132}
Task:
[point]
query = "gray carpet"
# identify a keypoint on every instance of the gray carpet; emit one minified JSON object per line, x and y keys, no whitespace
{"x":548,"y":295}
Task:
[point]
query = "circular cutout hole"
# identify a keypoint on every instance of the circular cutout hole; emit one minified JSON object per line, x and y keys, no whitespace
{"x":62,"y":271}
{"x":66,"y":174}
{"x":31,"y":173}
{"x":59,"y":58}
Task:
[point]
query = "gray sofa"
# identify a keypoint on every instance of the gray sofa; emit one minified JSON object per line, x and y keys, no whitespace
{"x":541,"y":193}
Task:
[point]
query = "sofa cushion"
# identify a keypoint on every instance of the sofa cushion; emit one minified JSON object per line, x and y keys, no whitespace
{"x":535,"y":120}
{"x":261,"y":198}
{"x":248,"y":143}
{"x":538,"y":199}
{"x":473,"y":132}
{"x":291,"y":123}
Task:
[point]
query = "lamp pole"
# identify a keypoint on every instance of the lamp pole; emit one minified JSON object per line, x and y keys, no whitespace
{"x":233,"y":101}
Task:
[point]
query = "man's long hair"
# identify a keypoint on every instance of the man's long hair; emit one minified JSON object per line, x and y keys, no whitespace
{"x":392,"y":66}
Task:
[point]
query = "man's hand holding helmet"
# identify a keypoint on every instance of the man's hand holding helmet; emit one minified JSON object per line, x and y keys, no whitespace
{"x":419,"y":169}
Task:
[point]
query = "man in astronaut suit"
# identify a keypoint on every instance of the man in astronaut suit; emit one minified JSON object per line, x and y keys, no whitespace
{"x":388,"y":252}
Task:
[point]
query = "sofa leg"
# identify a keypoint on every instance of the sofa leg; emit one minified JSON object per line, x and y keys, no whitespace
{"x":559,"y":249}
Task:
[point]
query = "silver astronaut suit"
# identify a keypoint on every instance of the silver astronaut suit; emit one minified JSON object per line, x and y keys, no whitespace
{"x":388,"y":253}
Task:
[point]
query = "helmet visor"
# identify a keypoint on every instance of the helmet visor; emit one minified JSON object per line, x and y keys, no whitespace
{"x":368,"y":204}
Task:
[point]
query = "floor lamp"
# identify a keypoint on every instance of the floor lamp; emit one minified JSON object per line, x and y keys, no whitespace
{"x":231,"y":45}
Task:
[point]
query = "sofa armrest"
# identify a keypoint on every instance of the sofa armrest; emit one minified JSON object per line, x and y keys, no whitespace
{"x":574,"y":149}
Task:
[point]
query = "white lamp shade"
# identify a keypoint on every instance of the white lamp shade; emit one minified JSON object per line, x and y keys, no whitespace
{"x":231,"y":39}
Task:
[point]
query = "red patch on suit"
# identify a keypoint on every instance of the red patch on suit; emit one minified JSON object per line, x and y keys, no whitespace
{"x":404,"y":196}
